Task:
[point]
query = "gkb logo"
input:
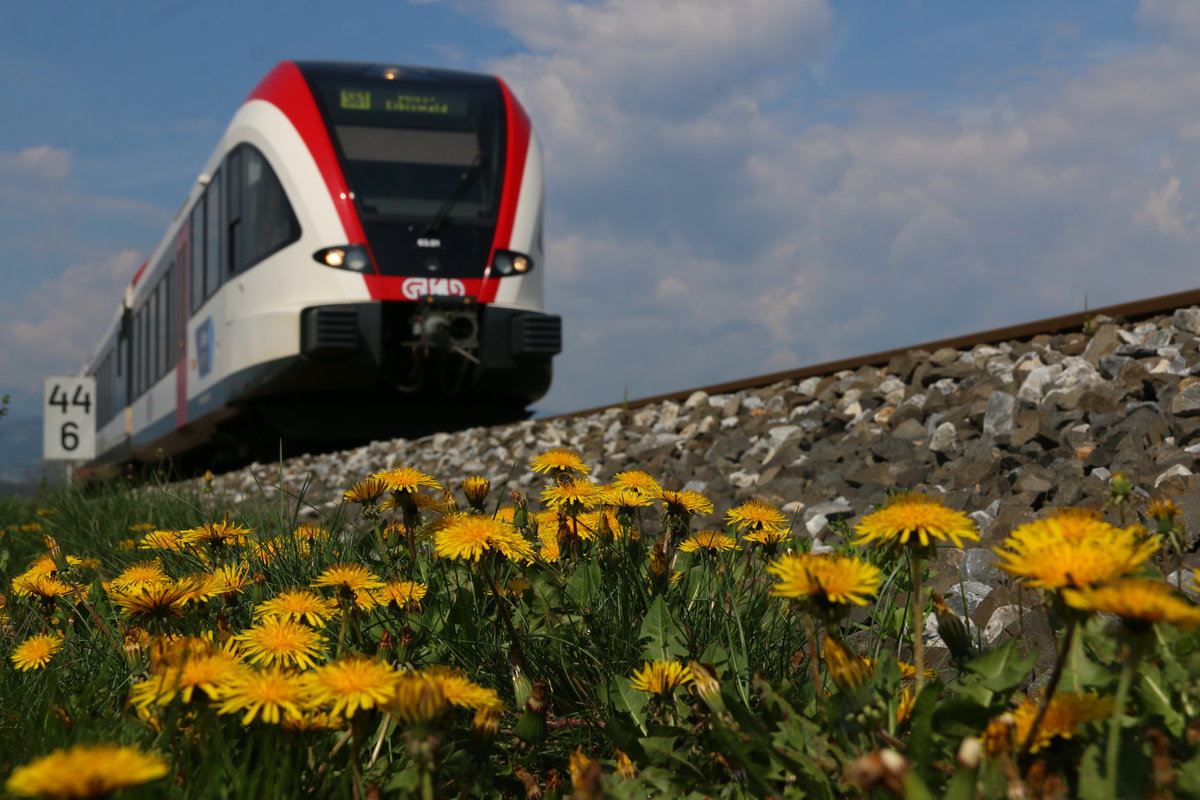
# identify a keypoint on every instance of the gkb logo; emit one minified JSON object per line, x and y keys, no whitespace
{"x":415,"y":288}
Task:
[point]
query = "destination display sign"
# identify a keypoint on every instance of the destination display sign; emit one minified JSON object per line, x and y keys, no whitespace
{"x":361,"y":98}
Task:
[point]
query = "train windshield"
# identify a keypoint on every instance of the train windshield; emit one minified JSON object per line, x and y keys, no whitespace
{"x":418,"y":152}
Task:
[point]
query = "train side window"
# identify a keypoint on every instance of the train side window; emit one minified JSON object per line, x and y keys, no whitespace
{"x":168,"y":319}
{"x":156,"y":327}
{"x":197,"y":260}
{"x":138,"y":319}
{"x":233,"y":210}
{"x":212,"y":235}
{"x":268,"y":222}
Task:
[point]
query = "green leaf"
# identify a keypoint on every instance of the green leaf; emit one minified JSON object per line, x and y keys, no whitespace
{"x":661,"y":633}
{"x":1155,"y":694}
{"x":1001,"y":669}
{"x":624,"y":698}
{"x":584,"y":584}
{"x":920,"y":740}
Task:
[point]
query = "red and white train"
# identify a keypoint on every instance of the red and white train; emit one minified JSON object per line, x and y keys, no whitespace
{"x":362,"y":251}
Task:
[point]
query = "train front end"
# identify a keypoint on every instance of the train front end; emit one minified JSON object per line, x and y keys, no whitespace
{"x":437,"y":180}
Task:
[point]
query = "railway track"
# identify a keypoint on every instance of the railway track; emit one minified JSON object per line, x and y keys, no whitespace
{"x":1131,"y":311}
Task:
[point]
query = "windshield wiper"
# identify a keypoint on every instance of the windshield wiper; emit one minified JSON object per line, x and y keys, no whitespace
{"x":469,"y":174}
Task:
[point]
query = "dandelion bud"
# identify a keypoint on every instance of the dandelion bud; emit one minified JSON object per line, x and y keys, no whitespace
{"x":704,"y":678}
{"x":1120,"y":488}
{"x":476,"y":490}
{"x":486,"y":723}
{"x":953,"y":631}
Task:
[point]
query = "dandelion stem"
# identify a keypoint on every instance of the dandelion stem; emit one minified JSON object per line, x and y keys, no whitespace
{"x":813,"y":659}
{"x":1052,"y":684}
{"x":918,"y":623}
{"x":1136,"y":647}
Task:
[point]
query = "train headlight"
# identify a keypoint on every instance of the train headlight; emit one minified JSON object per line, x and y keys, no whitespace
{"x":351,"y":257}
{"x":506,"y":262}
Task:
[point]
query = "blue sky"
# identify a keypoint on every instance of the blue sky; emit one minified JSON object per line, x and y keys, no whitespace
{"x":733,"y":188}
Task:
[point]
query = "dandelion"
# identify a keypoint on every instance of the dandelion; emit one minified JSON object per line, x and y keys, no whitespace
{"x":36,"y":651}
{"x":417,"y":698}
{"x":829,"y":582}
{"x":86,"y":770}
{"x":1074,"y":549}
{"x":661,"y":678}
{"x":847,"y":669}
{"x":207,"y":675}
{"x":300,"y":605}
{"x":573,"y":496}
{"x":1065,"y":712}
{"x":475,"y":489}
{"x":281,"y":641}
{"x":158,"y":601}
{"x":406,"y":480}
{"x":403,"y":594}
{"x":348,"y":577}
{"x":161,"y":540}
{"x":558,"y":461}
{"x":270,"y":694}
{"x":637,"y":482}
{"x":352,"y":683}
{"x":216,"y":534}
{"x":366,"y":492}
{"x":470,"y":537}
{"x":1139,"y":602}
{"x":143,"y":573}
{"x":230,"y":579}
{"x":910,"y":519}
{"x":710,"y":541}
{"x":755,"y":516}
{"x":685,"y":504}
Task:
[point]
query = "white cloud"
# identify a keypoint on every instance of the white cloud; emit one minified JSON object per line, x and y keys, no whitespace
{"x":53,"y":328}
{"x":1178,"y":20}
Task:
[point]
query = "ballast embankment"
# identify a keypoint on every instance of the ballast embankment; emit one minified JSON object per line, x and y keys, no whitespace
{"x":999,"y":430}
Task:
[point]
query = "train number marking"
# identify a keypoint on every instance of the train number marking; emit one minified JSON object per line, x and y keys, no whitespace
{"x":69,"y":431}
{"x":415,"y":288}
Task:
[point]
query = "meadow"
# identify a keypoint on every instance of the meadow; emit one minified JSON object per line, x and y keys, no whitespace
{"x":440,"y":636}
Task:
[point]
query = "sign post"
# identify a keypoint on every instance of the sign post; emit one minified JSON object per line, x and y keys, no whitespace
{"x":69,"y":407}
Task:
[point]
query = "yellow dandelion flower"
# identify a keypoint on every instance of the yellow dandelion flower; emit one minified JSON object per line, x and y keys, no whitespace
{"x":614,"y":495}
{"x":915,"y":518}
{"x":1074,"y":549}
{"x":463,"y":692}
{"x":406,"y":479}
{"x":767,"y":537}
{"x":470,"y":537}
{"x":270,"y":695}
{"x":366,"y":492}
{"x":86,"y":770}
{"x":548,"y":549}
{"x":281,"y":641}
{"x":300,"y":605}
{"x":1139,"y":602}
{"x":417,"y":698}
{"x":350,"y":577}
{"x":574,"y":495}
{"x":685,"y":503}
{"x":230,"y":579}
{"x":755,"y":515}
{"x":625,"y":767}
{"x":310,"y":533}
{"x":712,"y":541}
{"x":159,"y":689}
{"x":313,"y":722}
{"x":207,"y":675}
{"x":1066,"y":712}
{"x":216,"y":533}
{"x":591,"y":524}
{"x":36,"y":651}
{"x":161,"y":540}
{"x":559,"y":460}
{"x":352,"y":683}
{"x":46,"y":587}
{"x":905,"y":704}
{"x":476,"y":489}
{"x":157,"y":601}
{"x":403,"y":593}
{"x":661,"y":677}
{"x":638,"y":482}
{"x":1162,"y":509}
{"x":579,"y":766}
{"x":847,"y":669}
{"x":824,"y":579}
{"x":143,"y":573}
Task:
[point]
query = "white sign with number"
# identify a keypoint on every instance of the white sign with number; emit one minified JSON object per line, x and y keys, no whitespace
{"x":70,"y":409}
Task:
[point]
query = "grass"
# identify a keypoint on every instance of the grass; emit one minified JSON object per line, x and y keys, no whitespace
{"x":616,"y":654}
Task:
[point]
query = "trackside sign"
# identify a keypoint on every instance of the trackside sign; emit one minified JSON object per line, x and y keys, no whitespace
{"x":69,"y":432}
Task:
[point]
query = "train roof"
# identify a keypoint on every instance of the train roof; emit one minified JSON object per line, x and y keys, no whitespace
{"x":406,"y":72}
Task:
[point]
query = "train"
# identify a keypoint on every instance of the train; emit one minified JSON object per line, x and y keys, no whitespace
{"x":360,"y":257}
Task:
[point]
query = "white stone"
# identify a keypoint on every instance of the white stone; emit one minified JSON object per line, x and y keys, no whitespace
{"x":1177,"y":471}
{"x":695,"y":399}
{"x":1002,"y":617}
{"x":743,"y":479}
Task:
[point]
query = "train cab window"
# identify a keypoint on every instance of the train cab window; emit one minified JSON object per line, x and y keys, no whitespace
{"x":261,"y":220}
{"x":212,"y":235}
{"x":197,"y":261}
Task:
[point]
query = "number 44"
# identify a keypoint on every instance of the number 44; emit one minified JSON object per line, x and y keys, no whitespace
{"x":59,"y":398}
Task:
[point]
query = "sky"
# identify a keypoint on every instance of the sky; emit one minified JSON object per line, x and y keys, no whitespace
{"x":732,"y":188}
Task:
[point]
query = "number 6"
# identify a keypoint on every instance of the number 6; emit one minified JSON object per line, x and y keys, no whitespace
{"x":67,"y":436}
